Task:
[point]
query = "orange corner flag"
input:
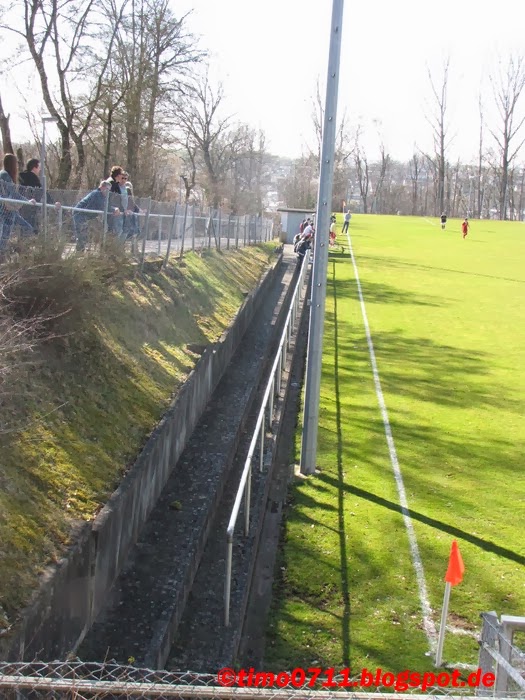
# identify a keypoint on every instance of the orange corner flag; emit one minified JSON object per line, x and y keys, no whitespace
{"x":456,"y":568}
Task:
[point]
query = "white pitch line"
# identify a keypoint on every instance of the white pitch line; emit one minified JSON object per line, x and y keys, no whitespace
{"x":428,"y":622}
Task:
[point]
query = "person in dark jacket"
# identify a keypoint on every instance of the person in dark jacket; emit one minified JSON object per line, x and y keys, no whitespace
{"x":118,"y":198}
{"x":94,"y":201}
{"x":30,"y":177}
{"x":9,"y":215}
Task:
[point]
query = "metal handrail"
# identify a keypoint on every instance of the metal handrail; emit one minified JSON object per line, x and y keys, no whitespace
{"x":142,"y":212}
{"x":263,"y":227}
{"x":273,"y":388}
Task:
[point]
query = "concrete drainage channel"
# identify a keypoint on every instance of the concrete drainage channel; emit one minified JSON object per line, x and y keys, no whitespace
{"x":167,"y":605}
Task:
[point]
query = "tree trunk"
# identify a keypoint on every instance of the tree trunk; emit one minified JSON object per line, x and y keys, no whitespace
{"x":7,"y":144}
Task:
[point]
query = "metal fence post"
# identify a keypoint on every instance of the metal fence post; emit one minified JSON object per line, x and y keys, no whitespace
{"x":261,"y":457}
{"x":210,"y":225}
{"x":146,"y":231}
{"x":193,"y":227}
{"x":219,"y":225}
{"x":229,"y":230}
{"x":60,"y":216}
{"x":237,"y":231}
{"x":228,"y":580}
{"x":173,"y":225}
{"x":159,"y":234}
{"x":183,"y":234}
{"x":247,"y":501}
{"x":105,"y":219}
{"x":489,"y":635}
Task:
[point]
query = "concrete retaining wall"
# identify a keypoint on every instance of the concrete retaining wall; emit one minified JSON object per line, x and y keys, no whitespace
{"x":74,"y":591}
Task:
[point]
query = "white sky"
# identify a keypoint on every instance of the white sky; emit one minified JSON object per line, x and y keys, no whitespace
{"x":270,"y":54}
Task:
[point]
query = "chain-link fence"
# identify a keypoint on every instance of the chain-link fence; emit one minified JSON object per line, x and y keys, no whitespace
{"x":500,"y":654}
{"x":89,"y":681}
{"x":87,"y":221}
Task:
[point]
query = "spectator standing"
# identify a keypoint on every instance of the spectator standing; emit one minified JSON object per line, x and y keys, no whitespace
{"x":9,"y":215}
{"x":333,"y":233}
{"x":131,"y":221}
{"x":346,"y":222}
{"x":118,"y":199}
{"x":94,"y":201}
{"x":30,"y":177}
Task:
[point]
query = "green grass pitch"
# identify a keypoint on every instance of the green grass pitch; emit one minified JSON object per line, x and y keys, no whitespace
{"x":447,"y":320}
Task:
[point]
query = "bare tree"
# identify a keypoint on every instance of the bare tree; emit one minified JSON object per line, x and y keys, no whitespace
{"x":189,"y":162}
{"x":202,"y":126}
{"x":155,"y":58}
{"x":342,"y":150}
{"x":362,"y":169}
{"x":508,"y":87}
{"x":384,"y":165}
{"x":415,"y":172}
{"x":7,"y":144}
{"x":61,"y":38}
{"x":438,"y":123}
{"x":479,"y":199}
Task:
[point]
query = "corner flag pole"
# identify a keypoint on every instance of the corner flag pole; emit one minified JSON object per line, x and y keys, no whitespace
{"x":320,"y":265}
{"x":454,"y":575}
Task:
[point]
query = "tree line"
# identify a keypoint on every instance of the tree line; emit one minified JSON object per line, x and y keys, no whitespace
{"x":431,"y":182}
{"x":127,"y":82}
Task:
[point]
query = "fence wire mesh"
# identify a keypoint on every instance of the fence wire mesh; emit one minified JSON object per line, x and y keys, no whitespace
{"x":86,"y":220}
{"x":501,"y":655}
{"x":94,"y":681}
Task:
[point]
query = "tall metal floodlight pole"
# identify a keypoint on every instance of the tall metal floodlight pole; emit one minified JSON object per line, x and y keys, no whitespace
{"x":324,"y":206}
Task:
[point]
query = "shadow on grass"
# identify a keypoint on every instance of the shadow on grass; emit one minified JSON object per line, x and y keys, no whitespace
{"x":345,"y":619}
{"x":394,"y":262}
{"x":381,"y":293}
{"x":431,"y":372}
{"x":486,"y":545}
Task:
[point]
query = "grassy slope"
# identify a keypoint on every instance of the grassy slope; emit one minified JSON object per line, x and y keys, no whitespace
{"x":447,"y":319}
{"x":95,"y":397}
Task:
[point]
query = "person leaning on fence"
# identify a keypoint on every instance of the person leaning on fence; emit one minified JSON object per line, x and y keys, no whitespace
{"x":131,"y":219}
{"x":96,"y":202}
{"x":30,"y":177}
{"x":118,"y":199}
{"x":9,"y":215}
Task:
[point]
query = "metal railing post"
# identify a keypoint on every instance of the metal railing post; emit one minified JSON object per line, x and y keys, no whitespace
{"x":247,"y":500}
{"x":146,"y":231}
{"x":228,"y":580}
{"x":193,"y":227}
{"x":105,"y":219}
{"x":219,"y":225}
{"x":229,"y":230}
{"x":60,"y":217}
{"x":261,"y":457}
{"x":159,"y":234}
{"x":173,"y":225}
{"x":237,"y":232}
{"x":258,"y":436}
{"x":183,"y":234}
